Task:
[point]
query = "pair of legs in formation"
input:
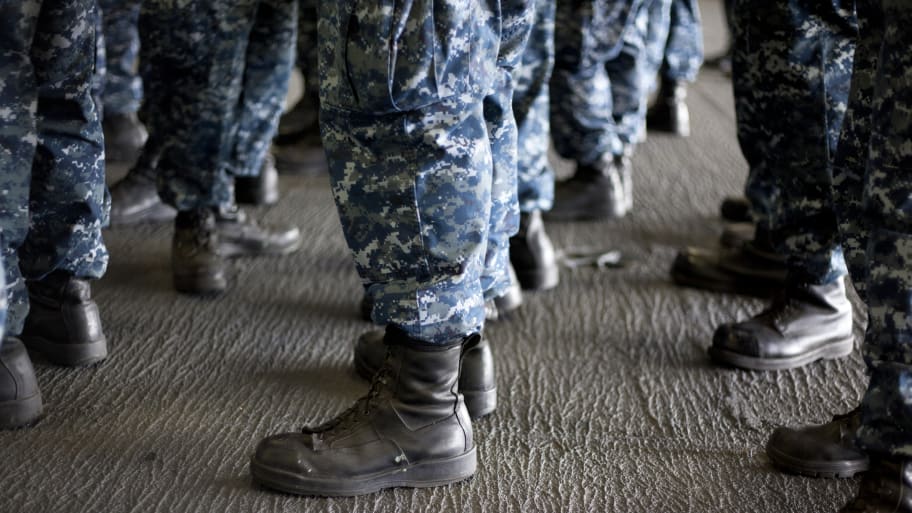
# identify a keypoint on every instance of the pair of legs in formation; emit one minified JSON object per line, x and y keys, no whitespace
{"x":53,"y":200}
{"x":828,"y":190}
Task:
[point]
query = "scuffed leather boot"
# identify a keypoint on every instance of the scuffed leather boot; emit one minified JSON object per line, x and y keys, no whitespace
{"x":477,"y":380}
{"x":827,"y":450}
{"x":262,"y":189}
{"x":595,"y":192}
{"x":805,"y":324}
{"x":885,"y":488}
{"x":134,"y":199}
{"x":196,"y":264}
{"x":63,"y":322}
{"x":669,"y":113}
{"x":124,"y":137}
{"x":532,"y":254}
{"x":20,"y":398}
{"x":239,"y":235}
{"x":412,"y":429}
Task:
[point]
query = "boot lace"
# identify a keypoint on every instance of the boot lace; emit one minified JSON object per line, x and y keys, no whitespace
{"x":362,"y":406}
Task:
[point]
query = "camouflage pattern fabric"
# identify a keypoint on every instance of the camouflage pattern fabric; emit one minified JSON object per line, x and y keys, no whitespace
{"x":270,"y":59}
{"x":535,"y":176}
{"x":53,"y":199}
{"x":596,"y":88}
{"x":674,"y":43}
{"x":408,"y":129}
{"x":790,"y":109}
{"x":123,"y":90}
{"x":874,"y":183}
{"x":3,"y":303}
{"x":504,"y":217}
{"x":683,"y":50}
{"x":215,"y":76}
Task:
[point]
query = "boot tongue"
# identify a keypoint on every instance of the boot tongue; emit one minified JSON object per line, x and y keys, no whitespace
{"x":358,"y":410}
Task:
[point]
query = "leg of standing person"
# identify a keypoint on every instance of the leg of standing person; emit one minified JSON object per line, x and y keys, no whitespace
{"x":122,"y":88}
{"x":411,"y":168}
{"x":298,"y":148}
{"x":195,"y":103}
{"x":812,"y":318}
{"x":531,"y":252}
{"x":584,"y":121}
{"x":682,"y":56}
{"x":55,"y":201}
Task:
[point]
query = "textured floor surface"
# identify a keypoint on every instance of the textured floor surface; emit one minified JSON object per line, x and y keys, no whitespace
{"x":607,"y":400}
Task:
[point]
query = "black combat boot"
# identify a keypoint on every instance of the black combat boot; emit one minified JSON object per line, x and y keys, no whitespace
{"x":239,"y":235}
{"x":827,"y":450}
{"x":669,"y":112}
{"x":736,"y":267}
{"x":196,"y":264}
{"x":20,"y":399}
{"x":885,"y":488}
{"x":736,"y":209}
{"x":804,"y":324}
{"x":262,"y":189}
{"x":595,"y":192}
{"x":532,"y":254}
{"x":412,"y":429}
{"x":298,"y":147}
{"x":124,"y":137}
{"x":477,"y":380}
{"x":63,"y":322}
{"x":134,"y":199}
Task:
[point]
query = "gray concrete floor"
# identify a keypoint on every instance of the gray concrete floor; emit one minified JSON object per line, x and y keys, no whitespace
{"x":607,"y":400}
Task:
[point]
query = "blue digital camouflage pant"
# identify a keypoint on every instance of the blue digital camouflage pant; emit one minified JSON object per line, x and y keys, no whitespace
{"x":122,"y":87}
{"x":535,"y":177}
{"x":420,"y":140}
{"x":53,"y":200}
{"x":791,"y":72}
{"x":597,"y":90}
{"x":873,"y":176}
{"x":675,"y":40}
{"x":215,"y":76}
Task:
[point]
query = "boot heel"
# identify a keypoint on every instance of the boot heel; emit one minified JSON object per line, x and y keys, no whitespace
{"x":71,"y":355}
{"x":21,"y":413}
{"x":480,"y":402}
{"x":442,"y":472}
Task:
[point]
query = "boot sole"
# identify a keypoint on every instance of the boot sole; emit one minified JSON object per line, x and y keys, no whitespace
{"x":70,"y":355}
{"x":421,"y":475}
{"x":232,"y":250}
{"x":203,"y":284}
{"x":830,"y":351}
{"x":159,"y":213}
{"x":479,"y":403}
{"x":824,"y":469}
{"x":538,"y":279}
{"x":21,"y":413}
